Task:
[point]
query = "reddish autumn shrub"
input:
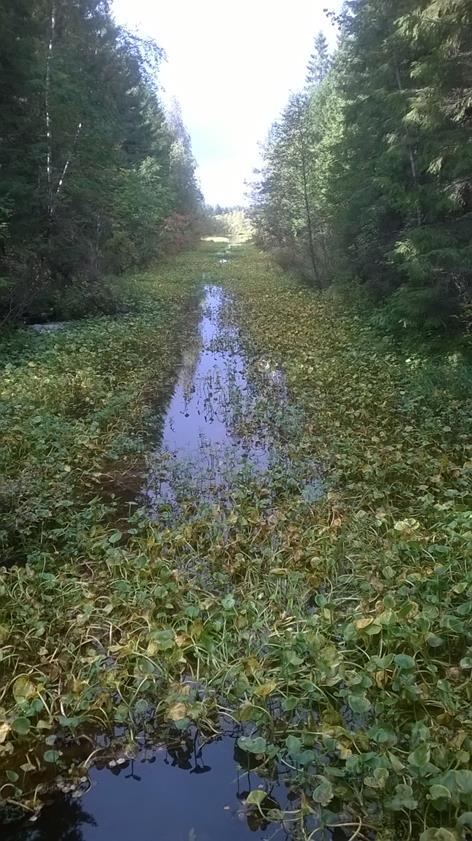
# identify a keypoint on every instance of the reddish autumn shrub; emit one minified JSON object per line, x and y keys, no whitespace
{"x":179,"y":232}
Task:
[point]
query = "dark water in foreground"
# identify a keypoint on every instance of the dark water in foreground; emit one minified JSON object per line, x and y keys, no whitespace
{"x":193,"y":793}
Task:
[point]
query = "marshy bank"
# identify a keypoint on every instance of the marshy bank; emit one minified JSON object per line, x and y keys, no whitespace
{"x":293,"y":564}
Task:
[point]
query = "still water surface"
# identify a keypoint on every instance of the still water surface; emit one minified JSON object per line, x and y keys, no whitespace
{"x":202,"y":447}
{"x":194,"y":792}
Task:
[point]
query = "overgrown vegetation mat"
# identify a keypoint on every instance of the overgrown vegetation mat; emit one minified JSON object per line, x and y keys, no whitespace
{"x":337,"y":630}
{"x":75,"y":406}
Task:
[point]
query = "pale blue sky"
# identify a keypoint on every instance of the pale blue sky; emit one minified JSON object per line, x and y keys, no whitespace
{"x":231,"y":66}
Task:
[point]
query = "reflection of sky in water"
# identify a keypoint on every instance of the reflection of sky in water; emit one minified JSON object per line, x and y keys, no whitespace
{"x":150,"y":798}
{"x":193,"y":792}
{"x":199,"y":409}
{"x":212,"y":391}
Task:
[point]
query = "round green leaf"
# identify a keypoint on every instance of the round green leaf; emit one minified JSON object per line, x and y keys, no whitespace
{"x":51,"y":756}
{"x":358,"y":703}
{"x":437,"y":792}
{"x":256,"y":797}
{"x":252,"y":745}
{"x":403,"y":798}
{"x":228,"y":602}
{"x":404,"y":661}
{"x":21,"y":725}
{"x":419,"y":757}
{"x":23,"y":689}
{"x":323,"y":793}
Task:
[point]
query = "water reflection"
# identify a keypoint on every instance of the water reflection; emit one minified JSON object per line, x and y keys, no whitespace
{"x":64,"y":820}
{"x":191,"y":789}
{"x":202,"y":446}
{"x":216,"y":426}
{"x":148,"y":797}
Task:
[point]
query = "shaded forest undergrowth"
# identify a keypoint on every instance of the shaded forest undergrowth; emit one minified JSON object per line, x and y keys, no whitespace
{"x":337,"y":630}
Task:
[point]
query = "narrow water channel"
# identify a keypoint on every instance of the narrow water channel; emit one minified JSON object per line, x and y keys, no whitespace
{"x":213,"y":434}
{"x":205,"y":442}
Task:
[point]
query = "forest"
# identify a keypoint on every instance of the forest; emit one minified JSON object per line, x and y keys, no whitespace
{"x":367,"y":174}
{"x":95,"y":179}
{"x":235,"y":461}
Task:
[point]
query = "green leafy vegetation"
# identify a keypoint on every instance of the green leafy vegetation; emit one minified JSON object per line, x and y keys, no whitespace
{"x":322,"y":601}
{"x":95,"y":178}
{"x":336,"y":629}
{"x":232,"y":223}
{"x":76,"y":405}
{"x":366,"y":174}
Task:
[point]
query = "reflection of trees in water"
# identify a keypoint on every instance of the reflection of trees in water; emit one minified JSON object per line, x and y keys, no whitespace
{"x":190,"y":360}
{"x":188,"y":755}
{"x":59,"y":821}
{"x":65,"y":817}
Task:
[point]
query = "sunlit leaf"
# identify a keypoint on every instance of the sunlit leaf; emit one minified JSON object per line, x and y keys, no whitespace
{"x":323,"y":793}
{"x":23,"y":689}
{"x":256,"y":745}
{"x":256,"y":797}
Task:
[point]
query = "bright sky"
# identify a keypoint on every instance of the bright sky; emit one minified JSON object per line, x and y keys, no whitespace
{"x":231,"y":66}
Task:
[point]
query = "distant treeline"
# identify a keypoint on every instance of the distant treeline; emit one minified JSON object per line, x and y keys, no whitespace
{"x":231,"y":222}
{"x":94,"y":177}
{"x":368,"y":172}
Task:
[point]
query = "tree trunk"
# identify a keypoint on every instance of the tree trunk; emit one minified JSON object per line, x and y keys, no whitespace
{"x":306,"y":201}
{"x":47,"y":94}
{"x":66,"y":166}
{"x":411,"y":153}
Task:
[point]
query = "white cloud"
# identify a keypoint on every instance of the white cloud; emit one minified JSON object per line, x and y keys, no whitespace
{"x":231,"y":66}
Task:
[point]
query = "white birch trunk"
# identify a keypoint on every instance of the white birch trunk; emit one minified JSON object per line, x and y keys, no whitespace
{"x":67,"y":165}
{"x":47,"y":92}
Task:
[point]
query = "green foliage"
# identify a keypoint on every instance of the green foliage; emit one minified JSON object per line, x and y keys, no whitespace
{"x":286,"y":207}
{"x":87,"y":182}
{"x":404,"y":211}
{"x":337,"y":630}
{"x":320,"y":61}
{"x":233,"y":223}
{"x":381,"y":183}
{"x":71,"y":410}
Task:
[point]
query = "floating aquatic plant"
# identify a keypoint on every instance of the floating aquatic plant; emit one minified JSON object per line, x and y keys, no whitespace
{"x":335,"y":626}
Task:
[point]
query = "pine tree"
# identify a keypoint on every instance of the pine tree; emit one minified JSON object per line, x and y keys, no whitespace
{"x":437,"y":256}
{"x":187,"y":195}
{"x":405,"y":155}
{"x":320,"y":62}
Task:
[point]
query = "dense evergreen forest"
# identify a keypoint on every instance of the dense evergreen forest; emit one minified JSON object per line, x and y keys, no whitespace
{"x":94,"y":177}
{"x":367,"y":175}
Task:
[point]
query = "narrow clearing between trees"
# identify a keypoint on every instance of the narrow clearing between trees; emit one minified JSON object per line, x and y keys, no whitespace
{"x":237,"y":596}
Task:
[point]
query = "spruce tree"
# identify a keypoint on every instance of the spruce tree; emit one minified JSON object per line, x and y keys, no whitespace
{"x":319,"y":63}
{"x":87,"y":175}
